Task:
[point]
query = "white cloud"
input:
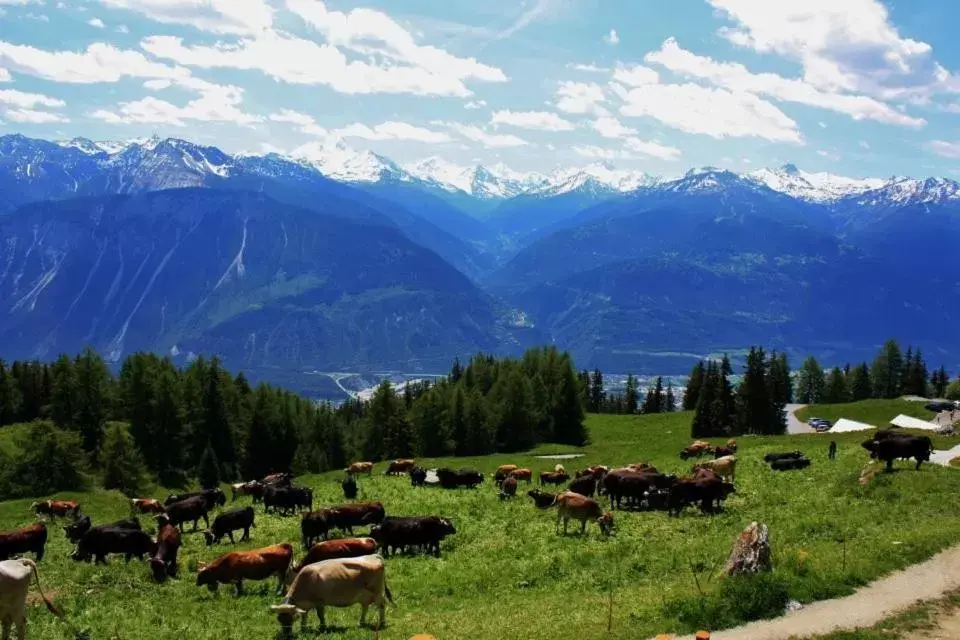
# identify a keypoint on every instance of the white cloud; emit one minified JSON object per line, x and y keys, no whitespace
{"x":475,"y":104}
{"x":612,"y":38}
{"x":822,"y":125}
{"x":581,"y":98}
{"x":40,"y":17}
{"x":489,"y":140}
{"x":28,"y":100}
{"x":634,"y":147}
{"x":392,"y":131}
{"x":539,"y":8}
{"x":299,"y":61}
{"x":99,"y":63}
{"x":715,"y":112}
{"x":864,"y":144}
{"x":215,"y":103}
{"x":20,"y":2}
{"x":654,"y":149}
{"x":736,"y":77}
{"x":842,"y":46}
{"x":588,"y":68}
{"x":29,"y":116}
{"x":536,"y":120}
{"x":945,"y":148}
{"x":610,"y":127}
{"x":305,"y":123}
{"x":635,"y":76}
{"x":237,"y":17}
{"x":830,"y":155}
{"x":5,"y":75}
{"x":96,"y":22}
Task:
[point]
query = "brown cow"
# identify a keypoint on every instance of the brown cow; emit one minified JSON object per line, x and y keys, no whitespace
{"x":696,"y":450}
{"x":237,"y":566}
{"x":317,"y":524}
{"x":522,"y":474}
{"x":146,"y":505}
{"x":509,"y":488}
{"x":360,"y":467}
{"x":164,"y":561}
{"x":246,"y":488}
{"x":56,"y":508}
{"x":725,"y":467}
{"x":503,"y":471}
{"x":399,"y":467}
{"x":330,"y":549}
{"x":577,"y":507}
{"x":646,"y":467}
{"x":32,"y":537}
{"x":597,"y":472}
{"x":553,"y":477}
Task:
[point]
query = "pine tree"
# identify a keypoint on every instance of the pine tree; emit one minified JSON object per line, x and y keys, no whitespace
{"x":209,"y":472}
{"x":886,"y":373}
{"x":726,"y":407}
{"x":93,"y":399}
{"x":481,"y":433}
{"x":755,"y":406}
{"x":632,"y":395}
{"x":597,"y":393}
{"x":49,"y":460}
{"x":456,"y":372}
{"x":835,"y":390}
{"x":458,"y":425}
{"x":694,"y":386}
{"x":567,"y":408}
{"x":9,"y":396}
{"x":654,"y":400}
{"x":953,"y":390}
{"x":135,"y":389}
{"x":810,"y":382}
{"x":670,"y":403}
{"x":63,"y":399}
{"x":260,"y":434}
{"x":216,"y":422}
{"x":939,"y":381}
{"x":511,"y":408}
{"x":122,"y":465}
{"x":168,"y":429}
{"x":583,"y":382}
{"x":702,"y":425}
{"x":429,"y":414}
{"x":860,"y":388}
{"x":781,"y":384}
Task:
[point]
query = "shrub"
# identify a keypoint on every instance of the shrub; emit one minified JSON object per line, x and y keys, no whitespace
{"x":737,"y":600}
{"x":123,"y":468}
{"x":47,"y":460}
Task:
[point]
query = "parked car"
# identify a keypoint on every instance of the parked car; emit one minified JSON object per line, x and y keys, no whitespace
{"x":937,"y":407}
{"x":820,"y":424}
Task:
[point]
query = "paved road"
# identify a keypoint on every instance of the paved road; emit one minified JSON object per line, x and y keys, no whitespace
{"x":794,"y":425}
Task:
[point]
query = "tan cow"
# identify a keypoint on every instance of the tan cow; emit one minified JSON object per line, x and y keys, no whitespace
{"x":574,"y":506}
{"x":503,"y":471}
{"x":725,"y":467}
{"x":522,"y":474}
{"x":146,"y":505}
{"x":336,"y":583}
{"x":14,"y":584}
{"x":360,"y":467}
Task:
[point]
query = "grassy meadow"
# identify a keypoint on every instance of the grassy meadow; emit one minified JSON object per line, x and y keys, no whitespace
{"x":506,"y":574}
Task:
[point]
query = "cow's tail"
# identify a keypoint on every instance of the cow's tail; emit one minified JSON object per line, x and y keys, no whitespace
{"x":36,"y":576}
{"x":386,"y":590}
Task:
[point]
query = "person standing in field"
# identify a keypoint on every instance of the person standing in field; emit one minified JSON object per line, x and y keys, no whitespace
{"x":832,"y":453}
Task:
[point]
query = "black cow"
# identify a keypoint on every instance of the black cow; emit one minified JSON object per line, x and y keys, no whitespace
{"x":542,"y":499}
{"x":99,"y":542}
{"x":213,"y":497}
{"x":78,"y":528}
{"x":790,"y":464}
{"x":707,"y":491}
{"x":790,"y":455}
{"x":418,"y":476}
{"x":900,"y":447}
{"x":193,"y":509}
{"x":631,"y":486}
{"x":450,"y":479}
{"x":349,"y":486}
{"x":720,"y":452}
{"x":287,"y":499}
{"x":228,"y":522}
{"x":400,"y":533}
{"x":584,"y":485}
{"x":657,"y":499}
{"x":164,"y":561}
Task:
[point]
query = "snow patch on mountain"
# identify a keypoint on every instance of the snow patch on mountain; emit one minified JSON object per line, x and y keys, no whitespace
{"x":814,"y":187}
{"x":339,"y":162}
{"x":906,"y":191}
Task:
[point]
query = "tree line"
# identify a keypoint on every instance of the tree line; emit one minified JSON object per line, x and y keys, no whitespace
{"x":154,"y":420}
{"x":658,"y":398}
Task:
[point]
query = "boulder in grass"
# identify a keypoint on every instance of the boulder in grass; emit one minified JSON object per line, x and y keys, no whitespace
{"x":751,"y":551}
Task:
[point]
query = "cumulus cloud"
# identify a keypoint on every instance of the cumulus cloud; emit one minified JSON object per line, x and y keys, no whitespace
{"x":237,"y":17}
{"x":5,"y":75}
{"x":536,"y":120}
{"x":392,"y":131}
{"x":588,"y":68}
{"x":28,"y":100}
{"x":96,"y":22}
{"x":30,"y":116}
{"x":305,"y":123}
{"x":635,"y":76}
{"x":475,"y":104}
{"x":475,"y":134}
{"x":215,"y":103}
{"x":612,"y":38}
{"x":581,"y":98}
{"x":634,"y":149}
{"x":944,"y":148}
{"x":100,"y":62}
{"x":610,"y":127}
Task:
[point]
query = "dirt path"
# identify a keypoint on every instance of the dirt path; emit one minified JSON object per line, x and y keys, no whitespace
{"x":925,"y":581}
{"x":794,"y":424}
{"x":948,"y":628}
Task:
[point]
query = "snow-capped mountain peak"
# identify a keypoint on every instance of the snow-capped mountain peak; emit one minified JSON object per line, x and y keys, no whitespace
{"x":905,"y":191}
{"x":815,"y":187}
{"x":338,"y":161}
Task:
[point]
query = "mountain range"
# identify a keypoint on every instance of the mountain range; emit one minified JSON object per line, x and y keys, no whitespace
{"x":345,"y":260}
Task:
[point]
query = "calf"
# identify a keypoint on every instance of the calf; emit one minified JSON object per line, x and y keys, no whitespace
{"x":725,"y":467}
{"x":56,"y":508}
{"x":102,"y":541}
{"x":399,"y":467}
{"x":553,"y":477}
{"x":332,"y":549}
{"x":418,"y":476}
{"x":317,"y":524}
{"x":577,"y":507}
{"x":898,"y":447}
{"x":76,"y":530}
{"x":14,"y":584}
{"x":228,"y":522}
{"x":508,"y":488}
{"x":193,"y":509}
{"x":31,"y":538}
{"x":585,"y":486}
{"x":399,"y":533}
{"x":335,"y":583}
{"x":541,"y":499}
{"x":237,"y":566}
{"x":349,"y":487}
{"x":789,"y":464}
{"x":245,"y":489}
{"x":450,"y":479}
{"x":163,"y":563}
{"x":360,"y":467}
{"x":790,"y":455}
{"x":146,"y":505}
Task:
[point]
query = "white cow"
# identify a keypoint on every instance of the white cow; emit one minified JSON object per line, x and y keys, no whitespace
{"x":336,"y":583}
{"x":14,"y":583}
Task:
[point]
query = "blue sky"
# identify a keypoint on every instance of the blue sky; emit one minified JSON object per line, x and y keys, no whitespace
{"x":856,"y":87}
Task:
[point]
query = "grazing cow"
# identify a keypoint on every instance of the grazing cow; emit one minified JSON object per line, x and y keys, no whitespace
{"x":245,"y":489}
{"x":360,"y":467}
{"x":732,"y":444}
{"x":450,"y":479}
{"x":164,"y":561}
{"x":900,"y":447}
{"x":891,"y":432}
{"x":342,"y":582}
{"x":725,"y":467}
{"x":277,"y":479}
{"x":102,"y":541}
{"x":56,"y":508}
{"x":31,"y":538}
{"x":503,"y":471}
{"x":770,"y":457}
{"x":696,"y":450}
{"x":585,"y":486}
{"x":553,"y":477}
{"x":228,"y":522}
{"x":399,"y":533}
{"x":656,"y":499}
{"x":146,"y":505}
{"x":317,"y":524}
{"x":333,"y":549}
{"x":542,"y":499}
{"x":237,"y":566}
{"x":508,"y":488}
{"x":577,"y":507}
{"x":708,"y":491}
{"x":627,"y":485}
{"x":287,"y":499}
{"x":418,"y":476}
{"x":193,"y":509}
{"x":523,"y":474}
{"x":399,"y":467}
{"x":14,"y":584}
{"x":832,"y":451}
{"x":789,"y":464}
{"x":213,"y":497}
{"x":349,"y":487}
{"x":76,"y":530}
{"x":721,"y":452}
{"x":642,"y":466}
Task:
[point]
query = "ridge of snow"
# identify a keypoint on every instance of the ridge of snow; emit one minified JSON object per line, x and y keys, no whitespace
{"x":815,"y":187}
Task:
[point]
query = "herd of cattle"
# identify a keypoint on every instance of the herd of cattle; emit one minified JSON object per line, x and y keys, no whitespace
{"x":345,"y":571}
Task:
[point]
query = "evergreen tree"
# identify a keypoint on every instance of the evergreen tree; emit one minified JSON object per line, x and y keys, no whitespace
{"x":915,"y":374}
{"x":216,"y":422}
{"x":756,"y":408}
{"x":93,"y":399}
{"x":654,"y":400}
{"x":953,"y":390}
{"x":9,"y":396}
{"x":456,"y":372}
{"x":670,"y":403}
{"x":429,"y":414}
{"x":632,"y":395}
{"x":726,"y":409}
{"x":886,"y":373}
{"x":209,"y":471}
{"x":597,"y":393}
{"x":261,"y":434}
{"x":63,"y":400}
{"x":135,"y":389}
{"x":458,"y":424}
{"x":860,"y":387}
{"x":702,"y":425}
{"x":835,"y":390}
{"x":511,"y":408}
{"x":939,"y":381}
{"x":567,"y":408}
{"x":481,"y":432}
{"x":122,"y":465}
{"x":49,"y":460}
{"x":168,"y":428}
{"x":781,"y":384}
{"x":29,"y":377}
{"x":694,"y":385}
{"x":583,"y":382}
{"x":810,"y":382}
